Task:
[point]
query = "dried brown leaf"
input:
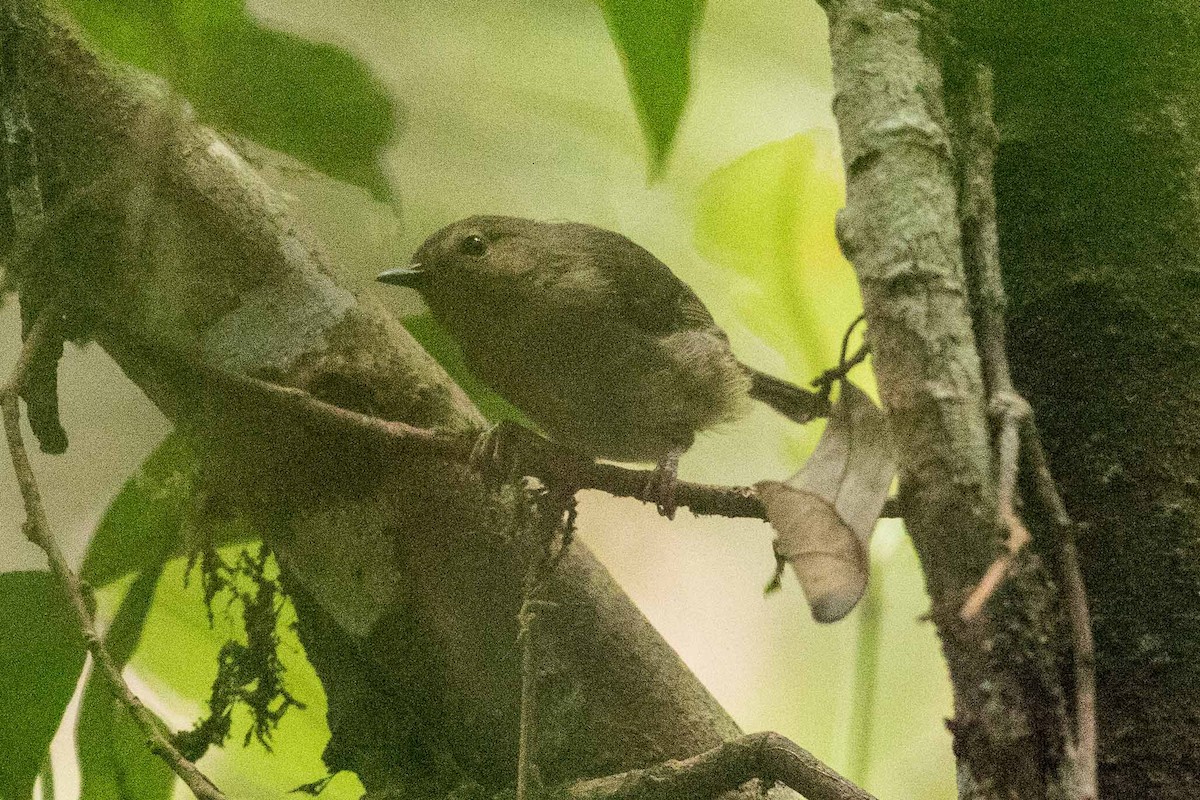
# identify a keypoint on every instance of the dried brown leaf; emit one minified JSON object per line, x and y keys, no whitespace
{"x":824,"y":514}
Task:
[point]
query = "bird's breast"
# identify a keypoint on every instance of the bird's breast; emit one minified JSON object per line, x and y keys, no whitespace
{"x":607,"y":389}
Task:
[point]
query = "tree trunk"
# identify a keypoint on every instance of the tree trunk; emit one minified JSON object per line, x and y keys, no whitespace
{"x":1096,"y":183}
{"x":1099,"y":211}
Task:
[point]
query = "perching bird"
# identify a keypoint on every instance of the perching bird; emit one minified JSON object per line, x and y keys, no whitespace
{"x":591,"y":336}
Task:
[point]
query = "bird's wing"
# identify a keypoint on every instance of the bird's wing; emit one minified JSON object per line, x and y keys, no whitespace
{"x":650,"y":296}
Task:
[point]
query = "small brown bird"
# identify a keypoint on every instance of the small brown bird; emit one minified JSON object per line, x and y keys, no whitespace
{"x":592,"y":337}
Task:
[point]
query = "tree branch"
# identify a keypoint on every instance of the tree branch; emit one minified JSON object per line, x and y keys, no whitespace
{"x":1083,"y":643}
{"x":982,"y":251}
{"x":27,"y":213}
{"x":42,"y":334}
{"x":900,"y":229}
{"x":1017,"y":427}
{"x":536,"y":456}
{"x":899,"y":97}
{"x":766,"y":756}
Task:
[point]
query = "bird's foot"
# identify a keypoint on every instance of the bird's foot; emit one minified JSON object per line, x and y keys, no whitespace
{"x":494,"y":454}
{"x":660,"y":487}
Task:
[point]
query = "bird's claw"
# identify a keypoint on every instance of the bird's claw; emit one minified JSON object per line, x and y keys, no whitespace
{"x":661,"y":485}
{"x":493,"y":454}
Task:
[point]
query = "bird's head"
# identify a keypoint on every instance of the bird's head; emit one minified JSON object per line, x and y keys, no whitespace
{"x":472,"y":255}
{"x":487,"y":265}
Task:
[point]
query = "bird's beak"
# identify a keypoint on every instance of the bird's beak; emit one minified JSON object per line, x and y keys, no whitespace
{"x":413,"y":276}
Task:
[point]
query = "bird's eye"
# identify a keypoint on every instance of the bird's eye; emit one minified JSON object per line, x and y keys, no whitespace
{"x":473,"y":245}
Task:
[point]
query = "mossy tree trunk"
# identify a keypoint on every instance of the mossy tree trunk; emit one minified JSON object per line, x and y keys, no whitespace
{"x":160,"y":241}
{"x":1096,"y":184}
{"x":1099,"y":209}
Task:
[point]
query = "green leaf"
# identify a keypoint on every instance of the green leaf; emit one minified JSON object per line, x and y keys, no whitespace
{"x":312,"y":101}
{"x":654,"y":40}
{"x":46,"y":775}
{"x":768,"y":218}
{"x":446,"y":352}
{"x":150,"y":513}
{"x":114,"y":761}
{"x":41,"y":655}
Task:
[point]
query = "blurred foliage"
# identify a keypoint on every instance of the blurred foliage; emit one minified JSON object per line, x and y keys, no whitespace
{"x":312,"y":101}
{"x":441,"y":345}
{"x":41,"y":654}
{"x":767,"y":218}
{"x":114,"y":762}
{"x":159,"y":506}
{"x":654,"y":39}
{"x":144,"y":517}
{"x":163,"y":627}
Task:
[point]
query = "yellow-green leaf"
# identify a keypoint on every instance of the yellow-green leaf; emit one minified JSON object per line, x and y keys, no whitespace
{"x":768,"y":218}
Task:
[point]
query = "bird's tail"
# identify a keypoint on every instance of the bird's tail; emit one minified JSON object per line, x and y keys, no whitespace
{"x":797,"y":404}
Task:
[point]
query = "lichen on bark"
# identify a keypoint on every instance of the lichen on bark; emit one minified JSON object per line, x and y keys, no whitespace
{"x":896,"y":76}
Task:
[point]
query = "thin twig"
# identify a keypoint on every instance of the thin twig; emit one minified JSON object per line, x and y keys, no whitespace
{"x":1018,"y":432}
{"x":824,"y":382}
{"x":538,"y":457}
{"x":527,"y":732}
{"x":1013,"y":412}
{"x":37,"y":529}
{"x":528,"y":724}
{"x":1081,"y":625}
{"x":767,"y":756}
{"x":983,"y":257}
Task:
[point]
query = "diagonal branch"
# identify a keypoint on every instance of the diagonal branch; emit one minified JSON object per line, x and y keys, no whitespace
{"x":37,"y":529}
{"x":538,"y":457}
{"x":767,"y":756}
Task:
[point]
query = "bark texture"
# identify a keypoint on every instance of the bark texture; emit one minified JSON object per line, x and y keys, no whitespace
{"x":405,"y":572}
{"x":1100,"y":241}
{"x":900,"y":85}
{"x":1099,"y":208}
